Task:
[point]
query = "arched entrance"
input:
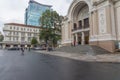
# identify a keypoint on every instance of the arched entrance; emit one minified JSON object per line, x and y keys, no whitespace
{"x":80,"y":21}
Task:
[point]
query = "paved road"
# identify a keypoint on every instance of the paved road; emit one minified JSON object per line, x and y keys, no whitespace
{"x":35,"y":66}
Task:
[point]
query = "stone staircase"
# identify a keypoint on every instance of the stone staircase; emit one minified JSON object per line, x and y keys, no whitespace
{"x":83,"y":49}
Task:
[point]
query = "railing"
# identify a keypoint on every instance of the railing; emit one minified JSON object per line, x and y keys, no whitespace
{"x":86,"y":26}
{"x":80,"y":28}
{"x":74,"y":29}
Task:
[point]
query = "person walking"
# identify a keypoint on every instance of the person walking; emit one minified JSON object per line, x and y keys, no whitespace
{"x":29,"y":48}
{"x":22,"y":49}
{"x":74,"y":43}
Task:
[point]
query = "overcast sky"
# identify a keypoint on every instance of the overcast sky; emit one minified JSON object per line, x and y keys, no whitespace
{"x":13,"y":10}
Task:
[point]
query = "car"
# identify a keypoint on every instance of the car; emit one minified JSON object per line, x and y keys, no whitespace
{"x":50,"y":49}
{"x":39,"y":48}
{"x":14,"y":48}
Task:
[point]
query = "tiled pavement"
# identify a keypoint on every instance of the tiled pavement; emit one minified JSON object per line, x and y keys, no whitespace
{"x":86,"y":57}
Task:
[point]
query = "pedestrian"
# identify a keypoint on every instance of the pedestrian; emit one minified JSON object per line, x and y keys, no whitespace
{"x":29,"y":48}
{"x":74,"y":43}
{"x":22,"y":49}
{"x":47,"y":48}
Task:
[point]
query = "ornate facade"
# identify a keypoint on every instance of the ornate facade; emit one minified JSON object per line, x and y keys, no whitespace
{"x":93,"y":22}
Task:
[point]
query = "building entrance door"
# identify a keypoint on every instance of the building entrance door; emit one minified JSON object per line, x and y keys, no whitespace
{"x":86,"y":25}
{"x":86,"y":37}
{"x":79,"y":38}
{"x":15,"y":45}
{"x":7,"y":46}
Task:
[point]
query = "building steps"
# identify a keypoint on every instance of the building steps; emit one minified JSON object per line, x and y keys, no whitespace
{"x":83,"y":49}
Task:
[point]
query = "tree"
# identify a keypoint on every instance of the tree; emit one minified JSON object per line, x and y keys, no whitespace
{"x":51,"y":27}
{"x":34,"y":41}
{"x":1,"y":38}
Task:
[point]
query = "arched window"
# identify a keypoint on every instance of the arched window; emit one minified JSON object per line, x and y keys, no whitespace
{"x":75,"y":26}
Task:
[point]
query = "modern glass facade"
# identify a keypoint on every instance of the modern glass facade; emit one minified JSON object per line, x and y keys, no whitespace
{"x":34,"y":12}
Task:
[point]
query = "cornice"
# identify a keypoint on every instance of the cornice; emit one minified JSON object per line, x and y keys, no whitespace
{"x":95,"y":3}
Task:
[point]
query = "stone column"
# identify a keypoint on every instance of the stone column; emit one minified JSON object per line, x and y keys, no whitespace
{"x":83,"y":38}
{"x":72,"y":38}
{"x":11,"y":45}
{"x":3,"y":46}
{"x":76,"y":35}
{"x":83,"y":24}
{"x":91,"y":20}
{"x":19,"y":45}
{"x":26,"y":46}
{"x":94,"y":27}
{"x":71,"y":32}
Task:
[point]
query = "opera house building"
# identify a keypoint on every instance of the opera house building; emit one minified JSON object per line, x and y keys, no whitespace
{"x":92,"y":22}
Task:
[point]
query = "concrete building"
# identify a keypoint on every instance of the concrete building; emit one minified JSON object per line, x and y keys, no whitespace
{"x":34,"y":12}
{"x":93,"y":22}
{"x":17,"y":35}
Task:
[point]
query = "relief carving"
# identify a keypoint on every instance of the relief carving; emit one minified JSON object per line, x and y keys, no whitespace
{"x":102,"y":21}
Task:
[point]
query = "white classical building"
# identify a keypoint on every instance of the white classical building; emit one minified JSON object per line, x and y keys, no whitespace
{"x":17,"y":35}
{"x":93,"y":22}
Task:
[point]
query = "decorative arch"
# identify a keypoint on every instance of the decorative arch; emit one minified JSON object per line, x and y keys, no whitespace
{"x":83,"y":13}
{"x":77,"y":3}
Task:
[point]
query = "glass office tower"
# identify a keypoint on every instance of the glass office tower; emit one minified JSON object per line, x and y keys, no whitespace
{"x":34,"y":12}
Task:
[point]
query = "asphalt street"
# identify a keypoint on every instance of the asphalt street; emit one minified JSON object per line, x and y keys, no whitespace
{"x":36,"y":66}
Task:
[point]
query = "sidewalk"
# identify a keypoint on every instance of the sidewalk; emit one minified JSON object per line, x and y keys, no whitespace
{"x":115,"y":58}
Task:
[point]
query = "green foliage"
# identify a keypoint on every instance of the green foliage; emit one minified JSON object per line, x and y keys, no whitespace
{"x":1,"y":38}
{"x":51,"y":24}
{"x":34,"y":41}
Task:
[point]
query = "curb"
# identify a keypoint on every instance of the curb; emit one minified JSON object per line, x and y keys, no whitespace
{"x":87,"y":58}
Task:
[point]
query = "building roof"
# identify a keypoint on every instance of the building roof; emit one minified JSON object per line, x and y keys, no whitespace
{"x":22,"y":25}
{"x":32,"y":1}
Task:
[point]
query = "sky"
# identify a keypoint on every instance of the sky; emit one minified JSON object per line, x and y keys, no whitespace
{"x":14,"y":10}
